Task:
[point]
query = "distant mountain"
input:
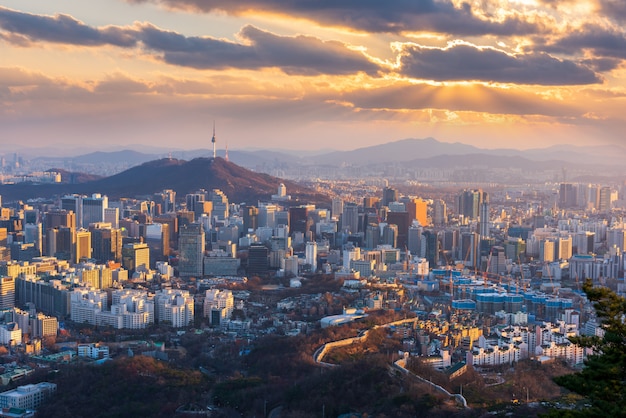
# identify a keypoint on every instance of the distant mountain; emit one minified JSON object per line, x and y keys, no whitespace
{"x":423,"y":149}
{"x":238,"y":183}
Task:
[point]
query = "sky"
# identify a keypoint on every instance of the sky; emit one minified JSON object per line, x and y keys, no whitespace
{"x":311,"y":74}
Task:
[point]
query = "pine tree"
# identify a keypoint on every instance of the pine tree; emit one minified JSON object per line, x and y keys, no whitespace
{"x":602,"y":382}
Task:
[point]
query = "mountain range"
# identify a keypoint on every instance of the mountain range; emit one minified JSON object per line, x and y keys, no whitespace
{"x":402,"y":151}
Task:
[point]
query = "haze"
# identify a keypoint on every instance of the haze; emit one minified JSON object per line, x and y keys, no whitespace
{"x":311,"y":75}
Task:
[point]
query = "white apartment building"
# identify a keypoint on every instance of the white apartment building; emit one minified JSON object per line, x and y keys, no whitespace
{"x":28,"y":396}
{"x":174,"y":306}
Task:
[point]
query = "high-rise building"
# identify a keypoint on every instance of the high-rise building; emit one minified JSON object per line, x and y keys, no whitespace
{"x":604,"y":201}
{"x":258,"y":259}
{"x":311,"y":254}
{"x":298,"y":217}
{"x":33,"y":235}
{"x":7,"y":292}
{"x":158,"y":240}
{"x":336,"y":208}
{"x":350,"y":218}
{"x":220,"y":204}
{"x":73,"y":203}
{"x":484,"y":220}
{"x":403,"y":221}
{"x":112,"y":216}
{"x":567,"y":196}
{"x":250,"y":218}
{"x":191,"y":245}
{"x":83,"y":246}
{"x":468,"y":203}
{"x":93,"y":209}
{"x":136,"y":256}
{"x":389,"y":195}
{"x":418,"y":209}
{"x":106,"y":242}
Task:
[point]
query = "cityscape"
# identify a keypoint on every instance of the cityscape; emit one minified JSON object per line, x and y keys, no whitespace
{"x":468,"y":284}
{"x":310,"y":209}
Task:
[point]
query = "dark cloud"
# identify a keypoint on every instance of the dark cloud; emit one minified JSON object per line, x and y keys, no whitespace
{"x":467,"y":62}
{"x":62,"y":29}
{"x":601,"y":41}
{"x":391,"y":16}
{"x":615,"y":9}
{"x":293,"y":55}
{"x":475,"y":98}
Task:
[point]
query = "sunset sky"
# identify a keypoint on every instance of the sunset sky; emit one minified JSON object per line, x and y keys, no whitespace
{"x":311,"y":74}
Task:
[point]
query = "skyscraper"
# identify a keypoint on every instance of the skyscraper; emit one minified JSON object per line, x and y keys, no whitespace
{"x":83,"y":245}
{"x":468,"y":203}
{"x":191,"y":245}
{"x":93,"y":209}
{"x":389,"y":195}
{"x":484,"y":220}
{"x":350,"y":218}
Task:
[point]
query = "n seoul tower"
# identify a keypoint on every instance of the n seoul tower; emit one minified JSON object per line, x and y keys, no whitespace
{"x":213,"y":140}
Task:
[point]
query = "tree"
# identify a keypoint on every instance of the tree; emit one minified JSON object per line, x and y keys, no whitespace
{"x":602,"y":380}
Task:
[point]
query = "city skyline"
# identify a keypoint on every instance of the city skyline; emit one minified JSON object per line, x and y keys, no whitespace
{"x":321,"y":75}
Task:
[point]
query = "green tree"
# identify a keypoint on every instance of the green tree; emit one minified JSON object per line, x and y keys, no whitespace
{"x":602,"y":381}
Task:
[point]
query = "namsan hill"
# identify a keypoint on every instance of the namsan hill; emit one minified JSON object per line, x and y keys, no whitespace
{"x":238,"y":183}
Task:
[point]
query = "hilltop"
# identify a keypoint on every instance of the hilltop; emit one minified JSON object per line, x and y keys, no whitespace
{"x":239,"y":184}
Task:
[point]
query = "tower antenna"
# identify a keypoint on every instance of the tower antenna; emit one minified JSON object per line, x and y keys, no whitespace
{"x":213,"y":140}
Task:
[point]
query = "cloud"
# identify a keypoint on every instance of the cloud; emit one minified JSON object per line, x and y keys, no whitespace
{"x":392,"y":16}
{"x":458,"y":62}
{"x":304,"y":55}
{"x":601,"y":41}
{"x":62,"y":29}
{"x":615,"y":9}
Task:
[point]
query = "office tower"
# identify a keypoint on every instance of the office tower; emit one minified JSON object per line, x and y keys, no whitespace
{"x":112,"y":216}
{"x":73,"y":203}
{"x":414,"y":239}
{"x":106,"y":242}
{"x":298,"y":217}
{"x":484,"y":220}
{"x":31,"y":216}
{"x":4,"y":233}
{"x":220,"y":204}
{"x":136,"y":257}
{"x":57,"y":218}
{"x":431,"y":243}
{"x":167,"y":200}
{"x":468,"y":203}
{"x":567,"y":196}
{"x":418,"y":209}
{"x":83,"y":246}
{"x":258,"y":259}
{"x":192,"y":198}
{"x":311,"y":255}
{"x":469,"y":249}
{"x":403,"y":221}
{"x":185,"y":218}
{"x":191,"y":246}
{"x":267,"y":215}
{"x":604,"y":200}
{"x":372,"y":236}
{"x":336,"y":208}
{"x":390,"y":235}
{"x":33,"y":235}
{"x":93,"y":209}
{"x":350,"y":218}
{"x":370,"y":202}
{"x":250,"y":218}
{"x":7,"y":292}
{"x":158,"y":240}
{"x":389,"y":195}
